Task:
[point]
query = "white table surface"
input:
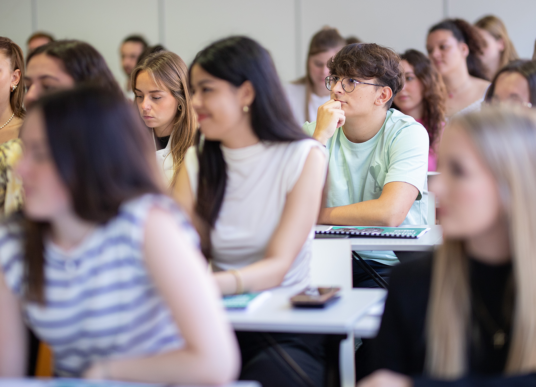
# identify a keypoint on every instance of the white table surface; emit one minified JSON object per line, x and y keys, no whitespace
{"x":277,"y":315}
{"x":427,"y":242}
{"x":61,"y":382}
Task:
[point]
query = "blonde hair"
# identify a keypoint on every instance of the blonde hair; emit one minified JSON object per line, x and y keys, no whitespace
{"x":169,"y":69}
{"x":324,"y":40}
{"x":506,"y":141}
{"x":497,"y":29}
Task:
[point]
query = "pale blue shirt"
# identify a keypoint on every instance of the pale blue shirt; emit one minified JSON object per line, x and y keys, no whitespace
{"x":359,"y":171}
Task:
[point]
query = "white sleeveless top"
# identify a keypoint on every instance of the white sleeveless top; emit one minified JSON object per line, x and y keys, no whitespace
{"x":259,"y":177}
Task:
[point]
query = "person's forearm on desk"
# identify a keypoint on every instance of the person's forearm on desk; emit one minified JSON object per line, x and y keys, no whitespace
{"x":389,"y":210}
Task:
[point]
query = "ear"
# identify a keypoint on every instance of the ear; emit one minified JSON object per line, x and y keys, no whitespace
{"x":15,"y":78}
{"x":464,"y":48}
{"x":385,"y":94}
{"x":246,"y":94}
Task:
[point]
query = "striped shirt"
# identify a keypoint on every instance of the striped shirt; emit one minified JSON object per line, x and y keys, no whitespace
{"x":100,"y":301}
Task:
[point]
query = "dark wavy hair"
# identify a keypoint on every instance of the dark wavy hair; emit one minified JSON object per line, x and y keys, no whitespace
{"x":104,"y":157}
{"x":466,"y":33}
{"x":526,"y":68}
{"x":236,"y":60}
{"x":434,"y":92}
{"x":82,"y":62}
{"x":369,"y":61}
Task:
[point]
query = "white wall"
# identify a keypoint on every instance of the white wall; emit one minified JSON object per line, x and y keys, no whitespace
{"x":282,"y":26}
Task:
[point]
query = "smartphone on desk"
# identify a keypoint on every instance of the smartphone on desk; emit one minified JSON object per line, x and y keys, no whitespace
{"x":315,"y":297}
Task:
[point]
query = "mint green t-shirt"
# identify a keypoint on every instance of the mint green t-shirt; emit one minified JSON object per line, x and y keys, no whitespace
{"x":359,"y":171}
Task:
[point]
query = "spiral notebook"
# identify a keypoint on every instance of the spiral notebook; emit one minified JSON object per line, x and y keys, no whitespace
{"x":375,"y":232}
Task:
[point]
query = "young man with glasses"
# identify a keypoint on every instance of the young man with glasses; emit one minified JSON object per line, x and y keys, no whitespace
{"x":378,"y":157}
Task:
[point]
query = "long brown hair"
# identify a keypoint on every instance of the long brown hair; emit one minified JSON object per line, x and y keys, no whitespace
{"x":466,"y":33}
{"x":434,"y":92}
{"x":14,"y":53}
{"x":170,"y":70}
{"x":497,"y":29}
{"x":506,"y":141}
{"x":103,"y":156}
{"x":324,"y":40}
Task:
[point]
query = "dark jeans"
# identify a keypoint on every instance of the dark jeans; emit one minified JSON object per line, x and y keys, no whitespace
{"x":361,"y":279}
{"x":262,"y":363}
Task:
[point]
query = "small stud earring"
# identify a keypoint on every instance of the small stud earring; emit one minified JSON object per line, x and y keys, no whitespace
{"x":245,"y":109}
{"x":13,"y":88}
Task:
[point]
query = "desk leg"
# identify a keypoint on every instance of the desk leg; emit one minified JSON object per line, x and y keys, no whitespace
{"x":347,"y":361}
{"x":333,"y":351}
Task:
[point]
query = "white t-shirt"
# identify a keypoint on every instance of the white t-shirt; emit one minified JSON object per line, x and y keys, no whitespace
{"x":259,"y":178}
{"x":296,"y":97}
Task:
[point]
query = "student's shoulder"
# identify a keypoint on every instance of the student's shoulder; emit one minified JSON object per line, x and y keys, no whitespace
{"x":400,"y":125}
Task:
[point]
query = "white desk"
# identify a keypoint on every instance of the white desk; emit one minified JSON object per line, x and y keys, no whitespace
{"x":340,"y":318}
{"x":277,"y":315}
{"x":427,"y":242}
{"x":61,"y":382}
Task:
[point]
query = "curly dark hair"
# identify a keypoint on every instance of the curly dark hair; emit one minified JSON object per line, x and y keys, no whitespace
{"x":369,"y":61}
{"x":466,"y":33}
{"x":434,"y":92}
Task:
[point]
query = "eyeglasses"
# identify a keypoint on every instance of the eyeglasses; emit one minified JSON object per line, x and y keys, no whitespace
{"x":510,"y":101}
{"x":348,"y":84}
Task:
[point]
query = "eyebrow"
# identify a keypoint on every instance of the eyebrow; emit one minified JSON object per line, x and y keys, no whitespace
{"x":205,"y":81}
{"x":42,"y":77}
{"x":152,"y":91}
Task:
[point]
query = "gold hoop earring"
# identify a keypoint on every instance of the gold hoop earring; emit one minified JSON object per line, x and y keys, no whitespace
{"x":245,"y":109}
{"x":179,"y":108}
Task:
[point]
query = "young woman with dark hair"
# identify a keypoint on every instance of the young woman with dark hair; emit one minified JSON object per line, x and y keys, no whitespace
{"x":63,"y":64}
{"x":498,"y":48}
{"x":423,"y":97}
{"x":252,"y":185}
{"x":378,"y":156}
{"x":308,"y":93}
{"x":160,"y":85}
{"x":515,"y":83}
{"x":454,"y":47}
{"x":102,"y":266}
{"x":464,"y":316}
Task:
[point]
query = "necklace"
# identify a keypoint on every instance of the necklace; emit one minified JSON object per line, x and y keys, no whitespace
{"x":8,"y":121}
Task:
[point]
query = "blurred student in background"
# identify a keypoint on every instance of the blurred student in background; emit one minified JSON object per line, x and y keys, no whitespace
{"x":11,"y":115}
{"x":498,"y":49}
{"x":455,"y":48}
{"x":38,"y":39}
{"x":103,"y":265}
{"x":423,"y":97}
{"x":466,"y":317}
{"x":64,"y":64}
{"x":308,"y":93}
{"x":131,"y":49}
{"x":161,"y":88}
{"x":252,"y":185}
{"x":515,"y":84}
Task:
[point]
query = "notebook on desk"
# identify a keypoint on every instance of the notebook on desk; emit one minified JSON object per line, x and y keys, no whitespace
{"x":375,"y":232}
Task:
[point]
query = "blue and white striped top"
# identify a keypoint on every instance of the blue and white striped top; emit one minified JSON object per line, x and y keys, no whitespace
{"x":100,"y":300}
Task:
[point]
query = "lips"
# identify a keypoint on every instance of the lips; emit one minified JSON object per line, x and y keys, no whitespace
{"x":201,"y":117}
{"x":147,"y":117}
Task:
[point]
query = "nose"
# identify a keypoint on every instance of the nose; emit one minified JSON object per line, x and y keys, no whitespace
{"x":337,"y":88}
{"x":31,"y":96}
{"x":146,"y":104}
{"x":196,"y":101}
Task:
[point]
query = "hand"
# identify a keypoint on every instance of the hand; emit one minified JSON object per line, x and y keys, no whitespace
{"x":330,"y":117}
{"x":386,"y":378}
{"x":97,"y":371}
